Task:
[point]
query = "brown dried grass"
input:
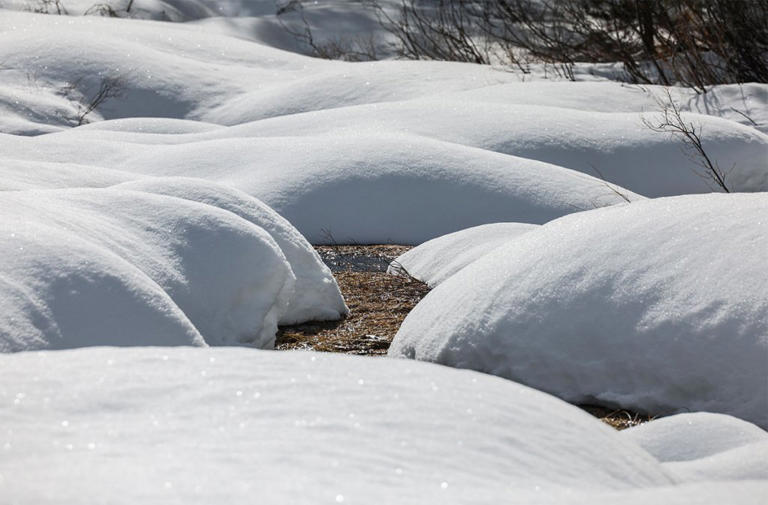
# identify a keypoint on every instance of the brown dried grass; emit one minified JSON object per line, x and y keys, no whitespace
{"x":378,"y":303}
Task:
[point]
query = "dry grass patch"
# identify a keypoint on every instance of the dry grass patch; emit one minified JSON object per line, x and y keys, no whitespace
{"x":619,"y":419}
{"x":378,"y":303}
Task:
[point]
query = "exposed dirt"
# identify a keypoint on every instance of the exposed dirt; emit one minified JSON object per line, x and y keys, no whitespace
{"x":378,"y":303}
{"x":360,"y":258}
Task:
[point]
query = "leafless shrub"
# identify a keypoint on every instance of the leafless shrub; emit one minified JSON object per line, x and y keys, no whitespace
{"x":101,"y":9}
{"x":691,"y":42}
{"x":670,"y":120}
{"x":49,"y":7}
{"x":612,"y":187}
{"x":441,"y":30}
{"x":109,"y":87}
{"x":97,"y":9}
{"x":361,"y":48}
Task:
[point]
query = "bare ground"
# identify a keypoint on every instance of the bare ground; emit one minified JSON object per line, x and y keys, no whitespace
{"x":378,"y":304}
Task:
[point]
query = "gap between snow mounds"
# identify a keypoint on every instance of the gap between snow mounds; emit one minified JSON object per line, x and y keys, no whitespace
{"x":586,"y":310}
{"x":378,"y":303}
{"x":153,"y":270}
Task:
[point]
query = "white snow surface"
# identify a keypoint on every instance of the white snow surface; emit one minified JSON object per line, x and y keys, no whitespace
{"x":233,"y":426}
{"x":164,"y":219}
{"x":435,"y":260}
{"x":363,"y":188}
{"x":197,"y":102}
{"x":316,"y":295}
{"x":704,"y":446}
{"x":110,"y":267}
{"x":659,"y":306}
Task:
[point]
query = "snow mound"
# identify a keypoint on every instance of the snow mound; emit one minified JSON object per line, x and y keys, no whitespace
{"x":59,"y":291}
{"x":399,"y":188}
{"x":705,"y":446}
{"x":435,"y":260}
{"x":612,"y":145}
{"x":143,"y":68}
{"x":390,"y":141}
{"x":224,"y":275}
{"x":316,"y":295}
{"x":402,"y":432}
{"x":658,"y":306}
{"x":729,"y":101}
{"x":18,"y":175}
{"x":685,"y":437}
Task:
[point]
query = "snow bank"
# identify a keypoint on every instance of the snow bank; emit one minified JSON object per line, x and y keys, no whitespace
{"x":435,"y":260}
{"x":358,"y":188}
{"x":316,"y":296}
{"x":153,"y":69}
{"x":234,"y":426}
{"x":615,"y":146}
{"x":59,"y":291}
{"x":392,"y":142}
{"x":18,"y":175}
{"x":705,"y":446}
{"x":657,"y":306}
{"x":224,"y":275}
{"x":399,"y":188}
{"x":399,"y":431}
{"x":188,"y":72}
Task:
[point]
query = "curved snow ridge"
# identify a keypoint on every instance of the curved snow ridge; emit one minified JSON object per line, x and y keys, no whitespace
{"x":381,"y":188}
{"x":316,"y":295}
{"x":224,"y":275}
{"x":704,"y":446}
{"x":164,"y":128}
{"x":59,"y":291}
{"x":399,"y":431}
{"x":181,"y":72}
{"x":743,"y":103}
{"x":18,"y":175}
{"x":352,"y":84}
{"x":401,"y":188}
{"x":615,"y":145}
{"x":657,"y":306}
{"x":436,"y":260}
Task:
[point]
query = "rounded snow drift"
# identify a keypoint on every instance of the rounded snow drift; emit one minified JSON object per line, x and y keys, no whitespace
{"x":658,"y":306}
{"x":436,"y":260}
{"x":85,"y":266}
{"x":316,"y":295}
